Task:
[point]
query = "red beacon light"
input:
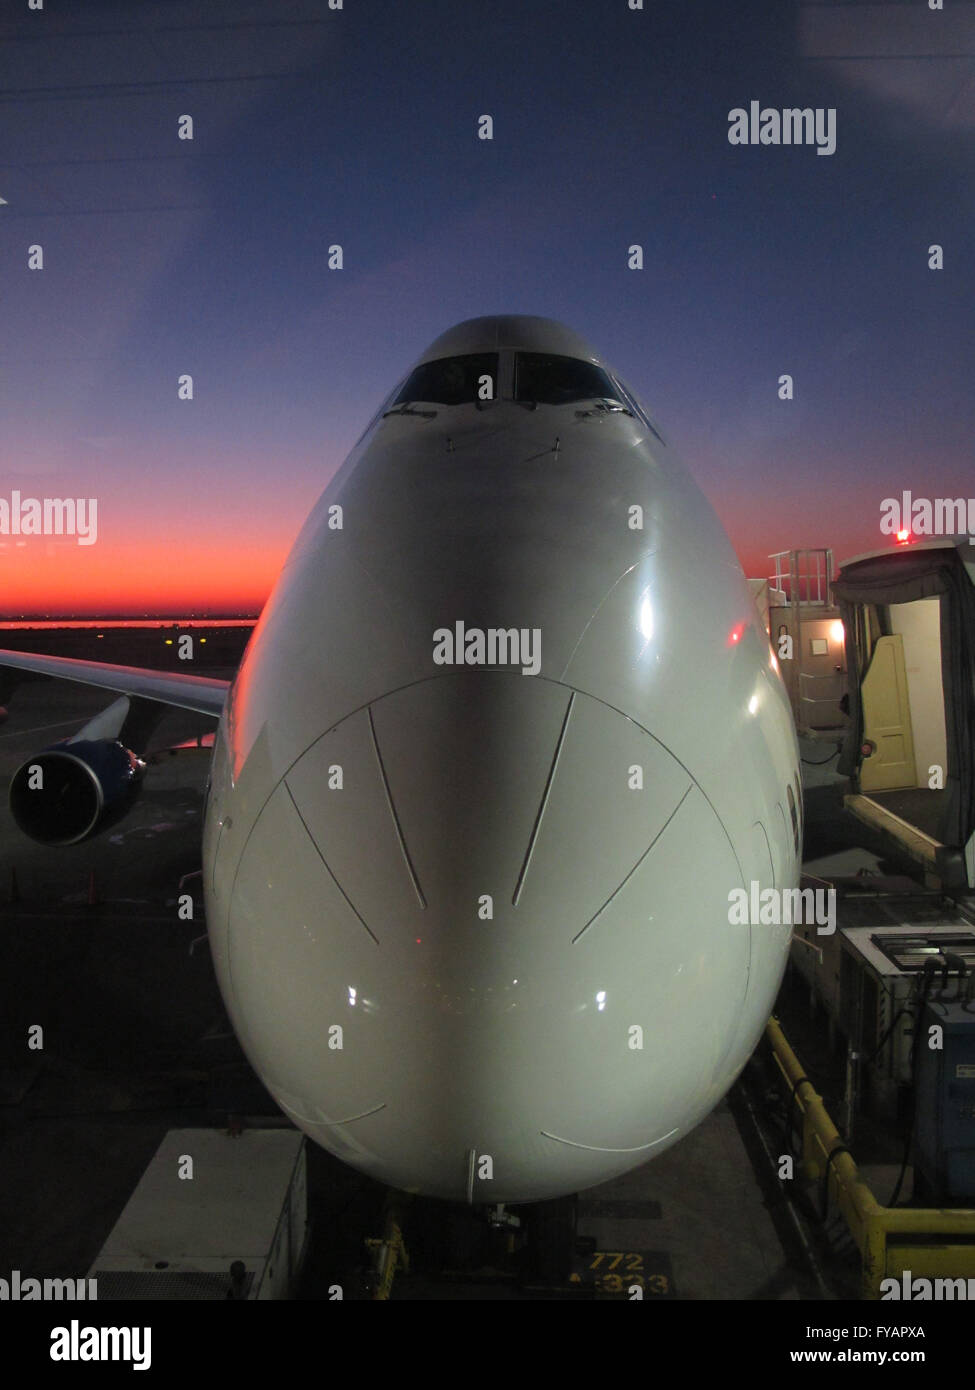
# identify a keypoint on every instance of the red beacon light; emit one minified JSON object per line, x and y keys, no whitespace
{"x":903,"y":537}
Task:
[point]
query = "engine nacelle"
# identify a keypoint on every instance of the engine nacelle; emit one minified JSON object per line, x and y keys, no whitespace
{"x":72,"y":789}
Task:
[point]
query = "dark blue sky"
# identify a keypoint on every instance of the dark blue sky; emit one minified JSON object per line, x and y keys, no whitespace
{"x":358,"y":126}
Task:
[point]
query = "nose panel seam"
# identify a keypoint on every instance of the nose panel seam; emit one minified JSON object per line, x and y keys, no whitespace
{"x":601,"y":1149}
{"x":392,"y":811}
{"x":333,"y":1124}
{"x":619,"y":888}
{"x":326,"y":864}
{"x":544,"y":801}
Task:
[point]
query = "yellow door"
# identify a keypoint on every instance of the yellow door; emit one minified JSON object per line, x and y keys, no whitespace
{"x":887,"y":720}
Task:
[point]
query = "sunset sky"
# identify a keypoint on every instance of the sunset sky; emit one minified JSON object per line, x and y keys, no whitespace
{"x":358,"y":126}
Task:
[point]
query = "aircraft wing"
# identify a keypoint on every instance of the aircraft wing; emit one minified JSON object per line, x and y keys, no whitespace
{"x":200,"y":693}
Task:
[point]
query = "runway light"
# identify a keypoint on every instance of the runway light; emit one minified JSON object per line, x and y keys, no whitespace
{"x":836,"y":631}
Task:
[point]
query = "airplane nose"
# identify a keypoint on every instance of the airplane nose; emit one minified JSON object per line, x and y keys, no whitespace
{"x":479,"y":940}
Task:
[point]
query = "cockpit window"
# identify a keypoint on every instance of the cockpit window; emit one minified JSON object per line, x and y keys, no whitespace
{"x":453,"y":380}
{"x":558,"y":380}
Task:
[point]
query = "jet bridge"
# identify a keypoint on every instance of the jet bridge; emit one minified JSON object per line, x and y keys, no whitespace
{"x":909,"y":619}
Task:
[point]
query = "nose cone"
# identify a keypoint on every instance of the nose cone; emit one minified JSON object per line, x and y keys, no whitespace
{"x":480,"y":943}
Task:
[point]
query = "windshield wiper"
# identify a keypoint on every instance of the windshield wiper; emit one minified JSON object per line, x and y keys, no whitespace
{"x":609,"y":405}
{"x":406,"y":408}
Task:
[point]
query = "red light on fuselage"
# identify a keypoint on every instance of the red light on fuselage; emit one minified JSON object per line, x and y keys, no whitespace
{"x":736,"y":634}
{"x":903,"y":536}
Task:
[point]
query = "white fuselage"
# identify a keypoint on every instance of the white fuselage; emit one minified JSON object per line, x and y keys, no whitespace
{"x":472,"y":925}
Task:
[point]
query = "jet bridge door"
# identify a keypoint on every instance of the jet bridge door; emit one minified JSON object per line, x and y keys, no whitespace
{"x":887,"y":720}
{"x":883,"y":581}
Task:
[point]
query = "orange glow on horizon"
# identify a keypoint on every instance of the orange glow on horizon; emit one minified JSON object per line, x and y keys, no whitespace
{"x":192,"y":575}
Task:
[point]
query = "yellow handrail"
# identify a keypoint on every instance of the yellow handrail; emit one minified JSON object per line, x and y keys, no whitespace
{"x":875,"y":1228}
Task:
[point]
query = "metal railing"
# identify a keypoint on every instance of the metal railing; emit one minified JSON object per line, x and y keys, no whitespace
{"x":932,"y":1243}
{"x":804,"y":576}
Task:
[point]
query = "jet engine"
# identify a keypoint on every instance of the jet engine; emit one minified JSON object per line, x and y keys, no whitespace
{"x":74,"y":788}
